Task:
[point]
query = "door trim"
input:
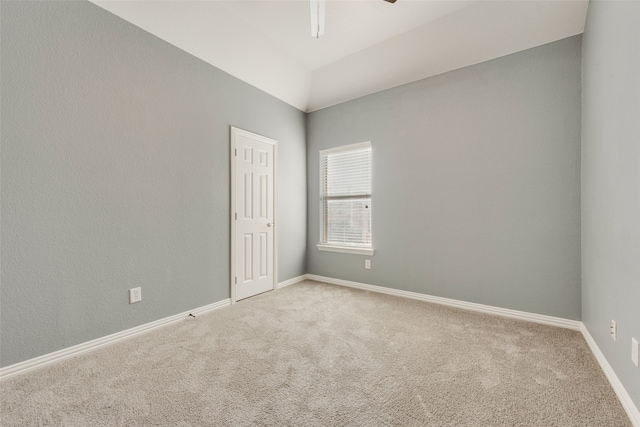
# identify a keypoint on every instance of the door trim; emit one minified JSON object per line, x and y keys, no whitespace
{"x":233,"y":132}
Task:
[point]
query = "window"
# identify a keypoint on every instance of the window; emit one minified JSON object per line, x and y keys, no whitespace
{"x":345,"y":199}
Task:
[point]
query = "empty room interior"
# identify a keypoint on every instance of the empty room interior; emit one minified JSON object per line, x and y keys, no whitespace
{"x":318,"y":213}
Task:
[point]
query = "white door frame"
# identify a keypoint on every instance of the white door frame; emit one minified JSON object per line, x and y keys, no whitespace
{"x":233,"y":131}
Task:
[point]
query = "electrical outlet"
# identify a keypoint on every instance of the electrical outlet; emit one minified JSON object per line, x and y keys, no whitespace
{"x":613,"y":330}
{"x":634,"y":351}
{"x":135,"y":295}
{"x":367,"y":264}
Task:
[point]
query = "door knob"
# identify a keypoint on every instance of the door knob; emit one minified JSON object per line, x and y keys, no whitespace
{"x":270,"y":224}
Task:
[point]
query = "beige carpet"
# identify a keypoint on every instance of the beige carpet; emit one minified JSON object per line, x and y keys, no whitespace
{"x":320,"y":355}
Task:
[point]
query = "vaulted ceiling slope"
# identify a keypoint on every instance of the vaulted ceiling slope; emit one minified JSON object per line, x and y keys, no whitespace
{"x":368,"y":46}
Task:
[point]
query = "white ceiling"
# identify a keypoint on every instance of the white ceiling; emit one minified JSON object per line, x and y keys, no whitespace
{"x":368,"y":46}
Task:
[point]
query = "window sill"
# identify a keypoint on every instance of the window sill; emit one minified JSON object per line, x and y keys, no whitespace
{"x":346,"y":249}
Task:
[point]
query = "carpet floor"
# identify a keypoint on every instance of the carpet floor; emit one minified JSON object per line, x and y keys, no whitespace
{"x":314,"y":354}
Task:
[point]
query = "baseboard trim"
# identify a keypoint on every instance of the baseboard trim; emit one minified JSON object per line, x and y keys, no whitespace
{"x":621,"y":392}
{"x":291,"y":281}
{"x":57,"y":356}
{"x":505,"y":312}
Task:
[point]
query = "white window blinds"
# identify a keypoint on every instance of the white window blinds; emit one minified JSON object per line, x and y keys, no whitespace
{"x":345,"y":193}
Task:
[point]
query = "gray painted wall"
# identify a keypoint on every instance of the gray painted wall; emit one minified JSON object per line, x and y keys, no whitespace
{"x":115,"y":174}
{"x":476,"y":182}
{"x":611,"y":183}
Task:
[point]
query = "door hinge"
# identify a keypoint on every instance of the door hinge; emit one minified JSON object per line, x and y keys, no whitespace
{"x":236,"y":216}
{"x":236,"y":280}
{"x":236,"y":151}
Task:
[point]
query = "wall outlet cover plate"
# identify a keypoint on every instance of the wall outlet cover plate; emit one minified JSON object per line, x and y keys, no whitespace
{"x":613,"y":330}
{"x":135,"y":295}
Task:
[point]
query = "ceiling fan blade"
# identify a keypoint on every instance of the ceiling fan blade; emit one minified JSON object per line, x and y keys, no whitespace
{"x":390,"y":1}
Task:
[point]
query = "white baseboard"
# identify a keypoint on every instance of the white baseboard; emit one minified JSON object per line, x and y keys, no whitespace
{"x":291,"y":281}
{"x":47,"y":359}
{"x":621,"y":392}
{"x":522,"y":315}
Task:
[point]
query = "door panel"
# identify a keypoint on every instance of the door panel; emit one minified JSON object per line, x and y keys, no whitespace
{"x":253,"y":201}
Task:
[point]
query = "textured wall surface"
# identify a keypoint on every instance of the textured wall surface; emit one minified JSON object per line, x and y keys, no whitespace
{"x":476,"y":182}
{"x":611,"y":183}
{"x":115,"y":174}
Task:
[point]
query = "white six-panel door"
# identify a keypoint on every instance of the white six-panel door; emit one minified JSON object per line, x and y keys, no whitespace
{"x":253,"y":220}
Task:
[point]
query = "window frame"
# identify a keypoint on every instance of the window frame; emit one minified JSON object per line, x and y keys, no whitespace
{"x":330,"y":247}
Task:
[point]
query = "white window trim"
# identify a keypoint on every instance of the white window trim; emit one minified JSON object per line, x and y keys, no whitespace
{"x":345,"y":148}
{"x":345,"y":249}
{"x":336,"y":248}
